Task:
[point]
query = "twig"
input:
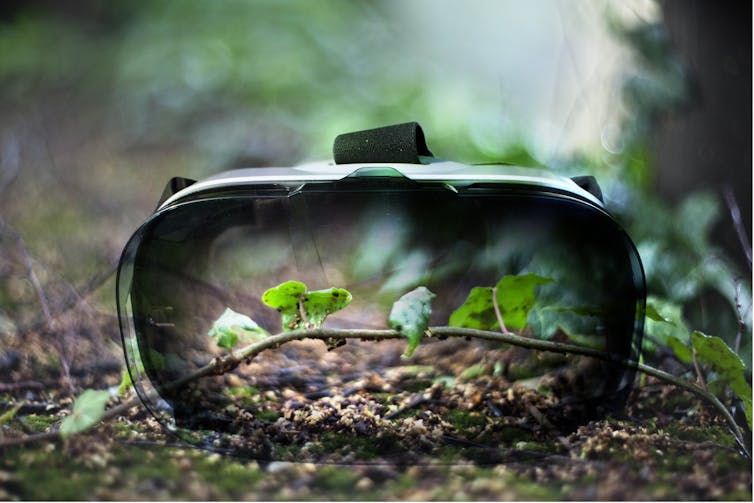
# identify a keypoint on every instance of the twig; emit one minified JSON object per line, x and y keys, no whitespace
{"x":735,"y":215}
{"x":43,"y":301}
{"x":415,"y":400}
{"x":498,"y":314}
{"x":697,"y":369}
{"x":739,"y":313}
{"x":537,"y":414}
{"x":226,"y":363}
{"x":9,"y":162}
{"x":53,"y":436}
{"x":302,"y":311}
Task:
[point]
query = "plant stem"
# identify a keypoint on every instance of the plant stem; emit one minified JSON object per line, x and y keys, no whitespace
{"x":226,"y":363}
{"x":498,"y":314}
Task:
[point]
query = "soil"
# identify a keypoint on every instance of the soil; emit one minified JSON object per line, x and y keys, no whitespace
{"x":457,"y":430}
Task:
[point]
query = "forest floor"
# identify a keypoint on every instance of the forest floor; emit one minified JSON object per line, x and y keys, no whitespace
{"x":665,"y":445}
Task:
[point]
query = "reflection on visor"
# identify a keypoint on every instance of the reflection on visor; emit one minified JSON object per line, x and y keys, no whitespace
{"x":191,"y":286}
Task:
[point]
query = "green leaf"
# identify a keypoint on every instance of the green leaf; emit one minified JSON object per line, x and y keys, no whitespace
{"x":447,"y":381}
{"x":285,"y":296}
{"x":590,"y":341}
{"x":472,"y":372}
{"x":477,"y":311}
{"x":713,"y":351}
{"x":321,"y":303}
{"x":681,"y":350}
{"x":515,"y":298}
{"x":289,"y":297}
{"x":231,"y":327}
{"x":285,"y":299}
{"x":410,"y":316}
{"x":653,"y":314}
{"x":227,"y":339}
{"x":88,"y":409}
{"x":664,"y":320}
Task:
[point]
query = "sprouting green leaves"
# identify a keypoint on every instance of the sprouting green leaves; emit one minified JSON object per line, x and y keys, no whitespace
{"x":231,"y":327}
{"x":410,"y":316}
{"x":713,"y":351}
{"x":321,"y":303}
{"x":88,"y":409}
{"x":300,"y":308}
{"x":515,"y":296}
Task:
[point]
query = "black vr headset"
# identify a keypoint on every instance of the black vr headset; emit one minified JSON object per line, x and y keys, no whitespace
{"x":246,"y":254}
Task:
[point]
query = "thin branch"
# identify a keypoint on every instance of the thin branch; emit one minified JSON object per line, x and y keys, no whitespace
{"x":302,"y":312}
{"x":54,"y":435}
{"x":43,"y":301}
{"x":79,"y":296}
{"x":735,"y":215}
{"x":226,"y":363}
{"x":229,"y":362}
{"x":498,"y":314}
{"x":741,"y":322}
{"x":9,"y":163}
{"x":698,"y":369}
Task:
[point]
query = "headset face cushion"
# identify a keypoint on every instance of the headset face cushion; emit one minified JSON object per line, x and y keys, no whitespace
{"x":194,"y":259}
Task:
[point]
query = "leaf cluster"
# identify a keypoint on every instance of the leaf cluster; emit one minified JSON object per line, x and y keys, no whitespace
{"x":301,"y":308}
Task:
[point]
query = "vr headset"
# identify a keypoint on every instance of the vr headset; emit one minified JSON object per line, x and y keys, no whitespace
{"x":500,"y":248}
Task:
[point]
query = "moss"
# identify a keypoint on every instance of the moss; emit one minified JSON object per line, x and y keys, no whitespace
{"x":55,"y":484}
{"x":39,"y":422}
{"x":511,"y":434}
{"x":533,"y":446}
{"x":688,"y":433}
{"x":245,"y":395}
{"x":463,"y":420}
{"x":416,"y":385}
{"x":155,"y":464}
{"x":336,"y":479}
{"x":529,"y":490}
{"x":230,"y":478}
{"x":737,"y":495}
{"x":268,"y":415}
{"x":364,"y":448}
{"x":383,"y":398}
{"x":404,"y":482}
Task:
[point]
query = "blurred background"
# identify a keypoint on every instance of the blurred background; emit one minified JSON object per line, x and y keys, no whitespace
{"x":102,"y":102}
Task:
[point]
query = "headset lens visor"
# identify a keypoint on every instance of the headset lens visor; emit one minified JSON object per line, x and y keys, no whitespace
{"x":192,"y":284}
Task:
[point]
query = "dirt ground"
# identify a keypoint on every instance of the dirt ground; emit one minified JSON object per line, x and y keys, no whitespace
{"x":480,"y":436}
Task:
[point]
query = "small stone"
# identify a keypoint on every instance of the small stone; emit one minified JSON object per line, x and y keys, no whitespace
{"x":364,"y":484}
{"x":277,"y":467}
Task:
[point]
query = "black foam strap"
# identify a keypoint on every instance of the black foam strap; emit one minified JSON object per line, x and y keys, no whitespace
{"x":400,"y":143}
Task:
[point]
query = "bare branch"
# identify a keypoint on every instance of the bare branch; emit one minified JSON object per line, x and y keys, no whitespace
{"x":226,"y":363}
{"x":9,"y":162}
{"x":739,"y":314}
{"x":735,"y":215}
{"x":43,"y":301}
{"x":498,"y":314}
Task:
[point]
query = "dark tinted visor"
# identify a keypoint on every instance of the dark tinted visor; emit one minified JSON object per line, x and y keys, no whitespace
{"x":361,"y":402}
